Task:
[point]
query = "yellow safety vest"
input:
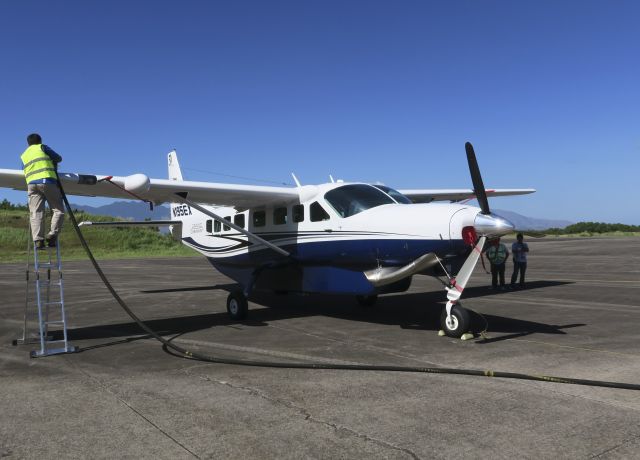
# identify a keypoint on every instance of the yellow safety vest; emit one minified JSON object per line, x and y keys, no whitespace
{"x":37,"y":164}
{"x":497,"y":255}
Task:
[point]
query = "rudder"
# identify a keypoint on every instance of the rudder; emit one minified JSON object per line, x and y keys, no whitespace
{"x":174,"y":167}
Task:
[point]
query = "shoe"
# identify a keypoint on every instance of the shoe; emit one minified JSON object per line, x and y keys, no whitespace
{"x":39,"y":244}
{"x":52,"y":241}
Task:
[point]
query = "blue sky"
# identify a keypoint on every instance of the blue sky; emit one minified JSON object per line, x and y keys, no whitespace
{"x":547,"y":91}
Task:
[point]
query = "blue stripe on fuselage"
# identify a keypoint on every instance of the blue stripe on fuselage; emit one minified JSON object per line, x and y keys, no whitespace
{"x":358,"y":254}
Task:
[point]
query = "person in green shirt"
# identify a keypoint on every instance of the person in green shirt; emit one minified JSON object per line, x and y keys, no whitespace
{"x":497,"y":253}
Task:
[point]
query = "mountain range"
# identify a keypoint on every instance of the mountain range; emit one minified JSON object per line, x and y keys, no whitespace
{"x":134,"y":210}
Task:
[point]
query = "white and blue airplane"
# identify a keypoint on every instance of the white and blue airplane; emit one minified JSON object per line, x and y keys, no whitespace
{"x":357,"y":239}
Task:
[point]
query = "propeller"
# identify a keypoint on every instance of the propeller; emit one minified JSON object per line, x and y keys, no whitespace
{"x":476,"y":178}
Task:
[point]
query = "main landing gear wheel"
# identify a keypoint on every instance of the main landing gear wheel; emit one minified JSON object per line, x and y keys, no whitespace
{"x":367,"y":300}
{"x":237,"y":305}
{"x":459,"y":323}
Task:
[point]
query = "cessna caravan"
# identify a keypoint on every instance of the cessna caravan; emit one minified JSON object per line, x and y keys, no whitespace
{"x":357,"y":239}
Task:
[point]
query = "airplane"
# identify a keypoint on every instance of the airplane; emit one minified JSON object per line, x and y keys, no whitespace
{"x":350,"y":238}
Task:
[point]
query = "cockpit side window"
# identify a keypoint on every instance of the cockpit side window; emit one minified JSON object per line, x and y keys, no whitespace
{"x":317,"y":212}
{"x":396,"y":195}
{"x":352,"y":199}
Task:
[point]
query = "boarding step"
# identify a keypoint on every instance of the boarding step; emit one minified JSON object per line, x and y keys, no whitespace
{"x":49,"y":283}
{"x":54,"y":322}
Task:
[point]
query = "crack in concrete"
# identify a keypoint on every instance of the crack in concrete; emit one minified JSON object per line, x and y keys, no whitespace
{"x":616,"y":447}
{"x":104,"y":387}
{"x":308,"y":416}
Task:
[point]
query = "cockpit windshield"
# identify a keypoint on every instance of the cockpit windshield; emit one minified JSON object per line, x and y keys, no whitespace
{"x":349,"y":200}
{"x":396,"y":195}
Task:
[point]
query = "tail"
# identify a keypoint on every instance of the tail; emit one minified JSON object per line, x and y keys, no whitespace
{"x":174,"y":167}
{"x":179,"y":211}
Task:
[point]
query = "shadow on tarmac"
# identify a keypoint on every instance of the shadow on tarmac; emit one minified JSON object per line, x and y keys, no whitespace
{"x":407,"y":310}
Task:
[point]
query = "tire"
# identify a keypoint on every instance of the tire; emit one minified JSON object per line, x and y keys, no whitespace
{"x":461,"y":321}
{"x":237,"y":305}
{"x":367,"y":300}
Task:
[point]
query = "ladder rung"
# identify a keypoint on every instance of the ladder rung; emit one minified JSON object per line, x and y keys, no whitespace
{"x":52,"y":303}
{"x":54,"y":341}
{"x":54,"y":322}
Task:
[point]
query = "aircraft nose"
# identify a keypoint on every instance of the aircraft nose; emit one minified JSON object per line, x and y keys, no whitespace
{"x":492,"y":225}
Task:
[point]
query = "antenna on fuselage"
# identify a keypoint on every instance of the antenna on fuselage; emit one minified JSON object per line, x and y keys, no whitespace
{"x":331,"y":178}
{"x":295,"y":179}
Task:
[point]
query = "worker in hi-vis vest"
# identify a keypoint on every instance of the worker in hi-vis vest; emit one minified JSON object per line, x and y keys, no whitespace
{"x":39,"y":164}
{"x":497,"y":253}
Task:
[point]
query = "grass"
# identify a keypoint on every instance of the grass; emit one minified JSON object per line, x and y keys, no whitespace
{"x":541,"y":234}
{"x":106,"y":243}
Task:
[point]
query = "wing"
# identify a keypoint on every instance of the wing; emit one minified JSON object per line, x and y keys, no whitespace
{"x":427,"y":196}
{"x":162,"y":190}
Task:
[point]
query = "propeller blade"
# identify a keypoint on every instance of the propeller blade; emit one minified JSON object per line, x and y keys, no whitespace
{"x":476,"y":178}
{"x":461,"y":279}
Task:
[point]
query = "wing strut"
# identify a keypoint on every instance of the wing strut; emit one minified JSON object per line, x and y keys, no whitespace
{"x":182,"y":197}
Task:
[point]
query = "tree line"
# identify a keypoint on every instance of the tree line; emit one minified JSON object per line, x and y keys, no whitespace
{"x":593,"y":227}
{"x":7,"y":205}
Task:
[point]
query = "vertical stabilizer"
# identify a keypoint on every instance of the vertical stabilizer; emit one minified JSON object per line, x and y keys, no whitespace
{"x":178,"y":211}
{"x":174,"y":166}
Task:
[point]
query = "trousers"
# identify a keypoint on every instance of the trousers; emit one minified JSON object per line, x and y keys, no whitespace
{"x":497,"y":270}
{"x":38,"y":194}
{"x":518,"y":267}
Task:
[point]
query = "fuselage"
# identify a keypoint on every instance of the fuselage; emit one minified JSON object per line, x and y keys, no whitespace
{"x":349,"y":227}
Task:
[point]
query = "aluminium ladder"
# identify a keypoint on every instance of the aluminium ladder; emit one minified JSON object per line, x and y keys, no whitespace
{"x":49,"y":300}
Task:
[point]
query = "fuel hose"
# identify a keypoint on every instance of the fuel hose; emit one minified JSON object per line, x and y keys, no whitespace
{"x":184,"y":353}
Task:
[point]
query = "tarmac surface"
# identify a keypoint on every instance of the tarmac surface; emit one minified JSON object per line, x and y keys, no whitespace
{"x":123,"y":396}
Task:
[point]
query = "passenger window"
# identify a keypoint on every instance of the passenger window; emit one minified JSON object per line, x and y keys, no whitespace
{"x":217,"y":226}
{"x":317,"y":212}
{"x":297,"y":212}
{"x":280,"y":216}
{"x":238,"y":219}
{"x":259,"y":218}
{"x":226,"y":228}
{"x":208,"y":225}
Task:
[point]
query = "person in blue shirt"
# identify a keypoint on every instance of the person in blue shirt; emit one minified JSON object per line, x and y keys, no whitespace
{"x":519,"y":249}
{"x":39,"y":163}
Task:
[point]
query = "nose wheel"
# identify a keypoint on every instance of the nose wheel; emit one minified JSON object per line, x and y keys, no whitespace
{"x":456,"y":324}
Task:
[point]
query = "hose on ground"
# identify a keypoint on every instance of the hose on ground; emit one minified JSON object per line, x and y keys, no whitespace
{"x":182,"y":352}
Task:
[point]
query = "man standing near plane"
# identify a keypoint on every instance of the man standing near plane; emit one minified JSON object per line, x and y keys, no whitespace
{"x":39,"y":165}
{"x":519,"y":250}
{"x":497,"y":254}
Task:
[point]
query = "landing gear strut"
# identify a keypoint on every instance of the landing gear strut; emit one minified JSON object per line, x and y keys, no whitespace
{"x":237,"y":305}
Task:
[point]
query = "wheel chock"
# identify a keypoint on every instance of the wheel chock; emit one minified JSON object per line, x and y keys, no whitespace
{"x":441,"y":333}
{"x":467,"y":336}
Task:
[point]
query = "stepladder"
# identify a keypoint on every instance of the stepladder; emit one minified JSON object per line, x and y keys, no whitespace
{"x":45,"y":320}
